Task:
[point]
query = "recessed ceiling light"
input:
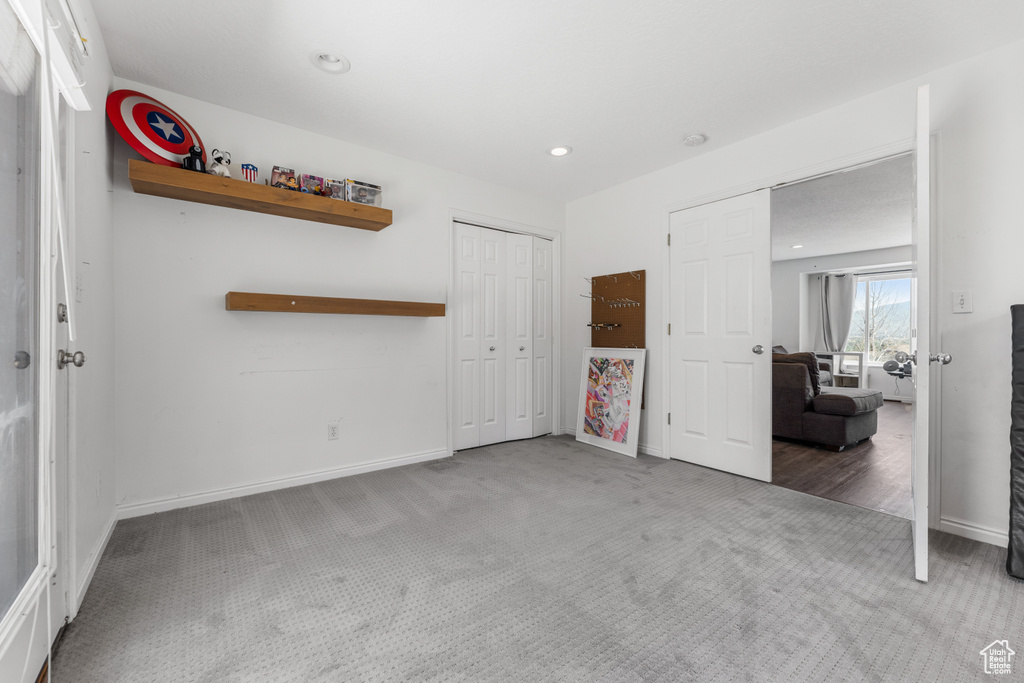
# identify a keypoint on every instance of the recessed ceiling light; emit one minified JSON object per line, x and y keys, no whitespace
{"x":798,"y":246}
{"x":560,"y":151}
{"x":695,"y":139}
{"x":331,"y":63}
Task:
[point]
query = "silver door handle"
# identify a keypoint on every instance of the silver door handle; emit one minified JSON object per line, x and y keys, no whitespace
{"x":65,"y":358}
{"x":522,"y":348}
{"x":943,"y":358}
{"x":758,"y":349}
{"x":492,"y":348}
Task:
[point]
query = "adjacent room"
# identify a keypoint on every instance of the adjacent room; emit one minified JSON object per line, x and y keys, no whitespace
{"x":511,"y":342}
{"x":842,"y":286}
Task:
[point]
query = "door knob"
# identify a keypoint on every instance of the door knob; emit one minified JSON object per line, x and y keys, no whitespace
{"x":522,"y":348}
{"x":758,"y":349}
{"x":492,"y":348}
{"x":903,"y":357}
{"x":943,"y":358}
{"x":22,"y":359}
{"x":65,"y":358}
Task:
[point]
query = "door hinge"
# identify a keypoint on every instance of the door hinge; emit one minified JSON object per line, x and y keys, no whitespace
{"x":669,"y":242}
{"x":670,"y":329}
{"x":670,"y":418}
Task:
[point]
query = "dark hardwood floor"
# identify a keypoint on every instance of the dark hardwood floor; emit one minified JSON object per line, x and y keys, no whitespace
{"x":874,"y":474}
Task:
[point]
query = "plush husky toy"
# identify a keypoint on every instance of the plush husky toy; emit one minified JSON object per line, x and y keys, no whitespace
{"x":220,"y":163}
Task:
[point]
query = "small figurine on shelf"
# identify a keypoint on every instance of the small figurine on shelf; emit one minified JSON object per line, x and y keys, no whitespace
{"x":335,"y":189}
{"x":312,"y":184}
{"x":194,"y":160}
{"x":220,"y":163}
{"x":250,"y":172}
{"x":284,"y":177}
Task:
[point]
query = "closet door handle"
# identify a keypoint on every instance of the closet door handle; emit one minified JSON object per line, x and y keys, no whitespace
{"x":522,"y":348}
{"x":492,"y":348}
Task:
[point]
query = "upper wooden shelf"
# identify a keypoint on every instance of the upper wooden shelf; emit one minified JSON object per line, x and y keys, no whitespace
{"x":177,"y":183}
{"x":285,"y":303}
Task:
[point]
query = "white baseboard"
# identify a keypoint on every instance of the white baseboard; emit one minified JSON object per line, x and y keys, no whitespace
{"x":569,"y":430}
{"x":974,"y":532}
{"x":164,"y":504}
{"x":647,"y":450}
{"x":901,"y":398}
{"x":91,"y":563}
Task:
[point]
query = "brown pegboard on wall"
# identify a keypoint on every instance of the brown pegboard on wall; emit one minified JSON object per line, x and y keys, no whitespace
{"x":617,"y":310}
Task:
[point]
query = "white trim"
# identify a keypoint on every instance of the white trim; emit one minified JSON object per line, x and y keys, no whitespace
{"x":556,"y":308}
{"x":935,"y":387}
{"x":666,"y":341}
{"x":656,"y":452}
{"x":772,"y":181}
{"x":164,"y":504}
{"x":23,"y":646}
{"x":79,"y":587}
{"x":974,"y":532}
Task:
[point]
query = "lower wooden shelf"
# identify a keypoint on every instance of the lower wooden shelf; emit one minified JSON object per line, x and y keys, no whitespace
{"x":285,"y":303}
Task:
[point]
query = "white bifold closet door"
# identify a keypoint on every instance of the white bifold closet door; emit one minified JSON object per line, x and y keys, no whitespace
{"x":542,"y":339}
{"x":519,"y":295}
{"x":502,"y":311}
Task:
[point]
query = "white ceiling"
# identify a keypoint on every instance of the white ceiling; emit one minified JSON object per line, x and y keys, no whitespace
{"x":485,"y":87}
{"x":857,"y":210}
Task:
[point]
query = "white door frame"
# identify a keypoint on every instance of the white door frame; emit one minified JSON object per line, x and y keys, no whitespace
{"x":901,"y":147}
{"x":556,"y":307}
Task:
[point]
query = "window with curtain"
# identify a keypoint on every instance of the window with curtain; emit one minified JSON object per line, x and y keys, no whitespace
{"x":881,"y":316}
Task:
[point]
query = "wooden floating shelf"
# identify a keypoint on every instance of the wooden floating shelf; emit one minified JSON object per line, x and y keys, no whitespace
{"x":283,"y":303}
{"x":204,"y":188}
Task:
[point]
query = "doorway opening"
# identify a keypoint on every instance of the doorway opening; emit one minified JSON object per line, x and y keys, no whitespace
{"x":843,"y":293}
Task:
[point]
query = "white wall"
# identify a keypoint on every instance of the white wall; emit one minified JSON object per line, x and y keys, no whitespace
{"x":211,"y":403}
{"x":977,"y":106}
{"x":795,"y":289}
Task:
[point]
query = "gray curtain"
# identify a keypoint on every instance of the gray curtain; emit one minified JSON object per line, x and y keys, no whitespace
{"x":838,"y":296}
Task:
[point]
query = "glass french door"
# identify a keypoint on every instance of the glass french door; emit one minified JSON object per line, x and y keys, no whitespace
{"x":20,"y":464}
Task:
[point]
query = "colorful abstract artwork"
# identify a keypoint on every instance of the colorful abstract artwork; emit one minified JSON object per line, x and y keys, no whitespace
{"x":611,"y":386}
{"x":609,"y":382}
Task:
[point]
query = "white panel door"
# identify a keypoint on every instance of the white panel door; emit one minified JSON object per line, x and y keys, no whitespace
{"x":721,"y":328}
{"x":494,"y":337}
{"x":542,"y":336}
{"x":519,"y":406}
{"x":466,"y":306}
{"x":921,"y":313}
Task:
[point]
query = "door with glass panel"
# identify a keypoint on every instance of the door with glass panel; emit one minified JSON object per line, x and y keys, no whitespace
{"x":20,"y":357}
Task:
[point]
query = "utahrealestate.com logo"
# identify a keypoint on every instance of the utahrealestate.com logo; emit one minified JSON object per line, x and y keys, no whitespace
{"x":997,"y":657}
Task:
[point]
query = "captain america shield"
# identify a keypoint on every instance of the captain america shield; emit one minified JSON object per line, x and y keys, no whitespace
{"x":152,"y":129}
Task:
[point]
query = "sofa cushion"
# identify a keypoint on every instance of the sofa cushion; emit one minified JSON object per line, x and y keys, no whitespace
{"x":847,"y":402}
{"x":806,"y":358}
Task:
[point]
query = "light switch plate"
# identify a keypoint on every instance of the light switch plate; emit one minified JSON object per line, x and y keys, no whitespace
{"x":962,"y":302}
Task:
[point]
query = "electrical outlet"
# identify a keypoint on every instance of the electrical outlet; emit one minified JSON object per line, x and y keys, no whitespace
{"x":332,"y":431}
{"x":962,"y":302}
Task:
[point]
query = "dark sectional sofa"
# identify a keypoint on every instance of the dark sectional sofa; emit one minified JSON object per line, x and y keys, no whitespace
{"x":805,"y":411}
